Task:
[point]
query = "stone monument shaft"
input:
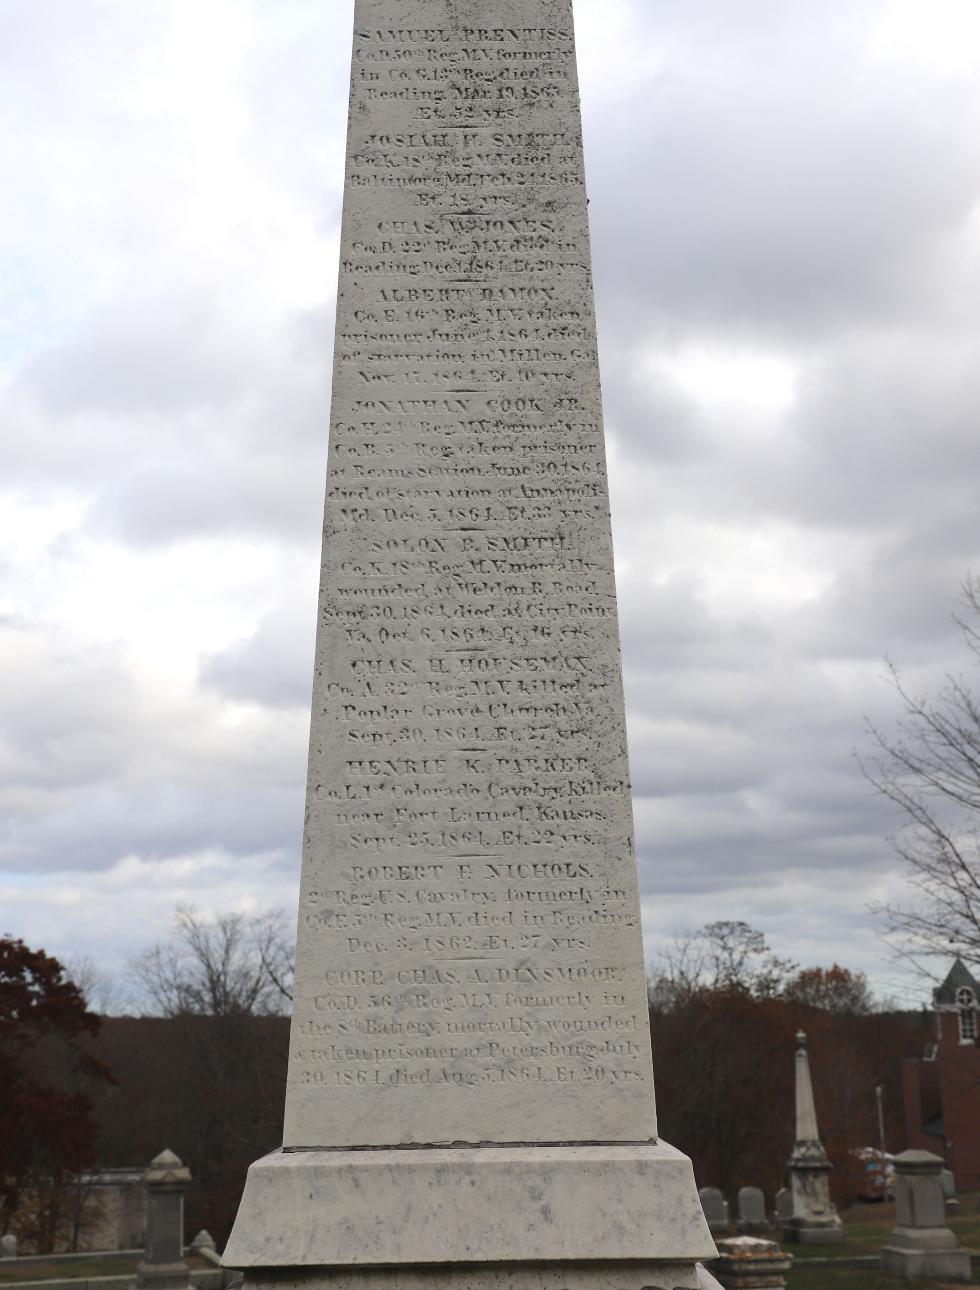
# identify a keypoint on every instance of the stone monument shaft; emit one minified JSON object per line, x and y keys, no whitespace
{"x":470,"y":962}
{"x":470,"y":1095}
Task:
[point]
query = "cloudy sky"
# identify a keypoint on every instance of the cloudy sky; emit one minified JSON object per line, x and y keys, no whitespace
{"x":785,"y":200}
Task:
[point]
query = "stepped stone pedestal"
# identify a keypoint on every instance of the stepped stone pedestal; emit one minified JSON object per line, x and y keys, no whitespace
{"x":921,"y":1246}
{"x":751,"y":1263}
{"x":470,"y":1093}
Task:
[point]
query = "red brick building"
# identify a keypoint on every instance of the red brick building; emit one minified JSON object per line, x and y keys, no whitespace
{"x":941,"y":1090}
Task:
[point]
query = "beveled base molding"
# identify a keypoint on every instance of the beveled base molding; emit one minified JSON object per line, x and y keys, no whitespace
{"x":502,"y":1206}
{"x":500,"y":1276}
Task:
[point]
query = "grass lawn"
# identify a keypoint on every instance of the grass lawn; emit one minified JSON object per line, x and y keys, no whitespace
{"x":41,"y":1269}
{"x":832,"y":1278}
{"x":104,"y":1265}
{"x":866,"y":1230}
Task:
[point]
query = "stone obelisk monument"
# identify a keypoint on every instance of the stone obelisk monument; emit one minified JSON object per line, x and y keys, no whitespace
{"x":470,"y":1088}
{"x":814,"y":1219}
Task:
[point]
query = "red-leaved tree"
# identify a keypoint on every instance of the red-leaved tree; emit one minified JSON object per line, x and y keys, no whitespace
{"x":48,"y":1131}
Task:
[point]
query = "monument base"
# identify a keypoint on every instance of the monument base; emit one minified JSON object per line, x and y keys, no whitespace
{"x":918,"y":1265}
{"x":360,"y":1218}
{"x":810,"y":1233}
{"x":490,"y":1276}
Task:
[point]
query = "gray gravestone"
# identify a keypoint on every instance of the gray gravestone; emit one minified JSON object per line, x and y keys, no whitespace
{"x":469,"y":967}
{"x":921,"y":1246}
{"x":752,"y":1210}
{"x":715,"y":1208}
{"x":8,"y":1246}
{"x":784,"y":1205}
{"x":163,"y":1266}
{"x":949,"y":1192}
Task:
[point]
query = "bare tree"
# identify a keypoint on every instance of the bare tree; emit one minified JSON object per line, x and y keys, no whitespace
{"x":930,"y":769}
{"x":722,"y":956}
{"x":102,"y":992}
{"x":274,"y":940}
{"x":230,"y":965}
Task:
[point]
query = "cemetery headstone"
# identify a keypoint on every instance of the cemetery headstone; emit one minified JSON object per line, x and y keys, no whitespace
{"x":715,"y":1208}
{"x":814,"y":1219}
{"x":751,"y":1263}
{"x":469,"y":1083}
{"x":921,"y":1246}
{"x":8,"y":1246}
{"x":203,"y":1241}
{"x":784,"y":1205}
{"x":752,"y":1218}
{"x":949,"y":1192}
{"x":163,"y":1266}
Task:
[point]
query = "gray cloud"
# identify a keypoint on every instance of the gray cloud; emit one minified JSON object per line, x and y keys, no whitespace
{"x":273,"y":666}
{"x":781,"y":183}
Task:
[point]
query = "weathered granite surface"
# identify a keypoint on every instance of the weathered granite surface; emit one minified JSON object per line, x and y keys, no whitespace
{"x":470,"y":965}
{"x":921,"y":1245}
{"x":706,"y":1281}
{"x":470,"y":1077}
{"x":490,"y":1276}
{"x":488,"y":1204}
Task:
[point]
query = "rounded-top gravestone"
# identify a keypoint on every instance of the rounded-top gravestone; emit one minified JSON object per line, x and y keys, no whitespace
{"x":752,"y":1210}
{"x":715,"y":1208}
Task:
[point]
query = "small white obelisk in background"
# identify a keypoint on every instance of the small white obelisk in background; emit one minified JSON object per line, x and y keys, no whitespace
{"x":814,"y":1219}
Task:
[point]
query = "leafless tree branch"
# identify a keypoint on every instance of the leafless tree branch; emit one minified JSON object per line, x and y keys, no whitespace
{"x":930,"y":769}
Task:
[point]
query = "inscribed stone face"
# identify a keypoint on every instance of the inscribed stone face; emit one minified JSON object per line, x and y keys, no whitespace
{"x":469,"y":963}
{"x":166,"y":1228}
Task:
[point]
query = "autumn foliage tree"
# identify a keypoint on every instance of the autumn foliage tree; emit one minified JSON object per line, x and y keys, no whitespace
{"x":835,"y":990}
{"x":48,"y":1130}
{"x":724,"y":1011}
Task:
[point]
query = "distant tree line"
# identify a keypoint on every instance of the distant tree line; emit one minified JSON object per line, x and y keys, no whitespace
{"x":50,"y":1080}
{"x":724,"y":1011}
{"x":205,"y":1074}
